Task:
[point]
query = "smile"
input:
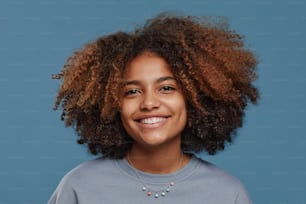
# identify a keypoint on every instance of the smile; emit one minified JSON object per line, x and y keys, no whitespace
{"x":152,"y":120}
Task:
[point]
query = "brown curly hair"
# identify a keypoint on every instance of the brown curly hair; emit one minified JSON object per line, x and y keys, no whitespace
{"x":209,"y":62}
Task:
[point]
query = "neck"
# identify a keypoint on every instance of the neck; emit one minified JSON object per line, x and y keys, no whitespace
{"x":157,"y":160}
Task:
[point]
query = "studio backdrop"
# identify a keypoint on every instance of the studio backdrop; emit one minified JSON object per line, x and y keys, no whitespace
{"x":36,"y":37}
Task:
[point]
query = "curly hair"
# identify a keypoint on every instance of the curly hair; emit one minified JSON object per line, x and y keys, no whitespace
{"x":210,"y":63}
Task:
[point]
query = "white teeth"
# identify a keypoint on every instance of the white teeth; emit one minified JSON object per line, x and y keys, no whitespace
{"x":152,"y":120}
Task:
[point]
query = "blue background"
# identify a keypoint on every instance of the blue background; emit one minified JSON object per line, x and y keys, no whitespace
{"x":36,"y":37}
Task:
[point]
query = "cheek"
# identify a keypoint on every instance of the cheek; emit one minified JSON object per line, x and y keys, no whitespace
{"x":178,"y":103}
{"x":125,"y":116}
{"x":124,"y":121}
{"x":183,"y":111}
{"x":178,"y":106}
{"x":184,"y":115}
{"x":125,"y":112}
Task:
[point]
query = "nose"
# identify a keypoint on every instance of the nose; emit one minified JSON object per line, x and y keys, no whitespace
{"x":150,"y":101}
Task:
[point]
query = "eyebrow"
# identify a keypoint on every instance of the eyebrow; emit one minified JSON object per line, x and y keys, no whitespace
{"x":159,"y":80}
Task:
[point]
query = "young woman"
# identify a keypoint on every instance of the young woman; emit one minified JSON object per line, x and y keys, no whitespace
{"x":148,"y":101}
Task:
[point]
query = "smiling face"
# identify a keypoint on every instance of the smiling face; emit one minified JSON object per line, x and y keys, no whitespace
{"x":153,"y":108}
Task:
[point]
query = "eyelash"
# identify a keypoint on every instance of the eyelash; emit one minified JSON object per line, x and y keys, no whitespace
{"x":162,"y":89}
{"x":131,"y":92}
{"x":167,"y":88}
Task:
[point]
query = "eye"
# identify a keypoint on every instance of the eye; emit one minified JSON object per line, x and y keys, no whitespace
{"x":167,"y":88}
{"x":131,"y":92}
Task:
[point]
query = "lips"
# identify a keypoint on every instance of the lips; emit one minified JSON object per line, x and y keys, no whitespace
{"x":152,"y":120}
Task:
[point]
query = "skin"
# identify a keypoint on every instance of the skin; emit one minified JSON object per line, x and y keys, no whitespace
{"x":153,"y":112}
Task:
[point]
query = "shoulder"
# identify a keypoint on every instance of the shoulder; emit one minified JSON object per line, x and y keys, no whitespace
{"x":99,"y":163}
{"x":89,"y":170}
{"x":218,"y":185}
{"x":82,"y":180}
{"x":214,"y":185}
{"x":215,"y":176}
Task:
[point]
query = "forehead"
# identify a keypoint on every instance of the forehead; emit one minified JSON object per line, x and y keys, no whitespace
{"x":147,"y":66}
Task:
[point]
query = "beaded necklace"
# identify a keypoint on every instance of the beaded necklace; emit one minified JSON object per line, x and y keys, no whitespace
{"x":150,"y":191}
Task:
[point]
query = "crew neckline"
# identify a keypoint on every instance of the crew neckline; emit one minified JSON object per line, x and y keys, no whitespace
{"x":150,"y":178}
